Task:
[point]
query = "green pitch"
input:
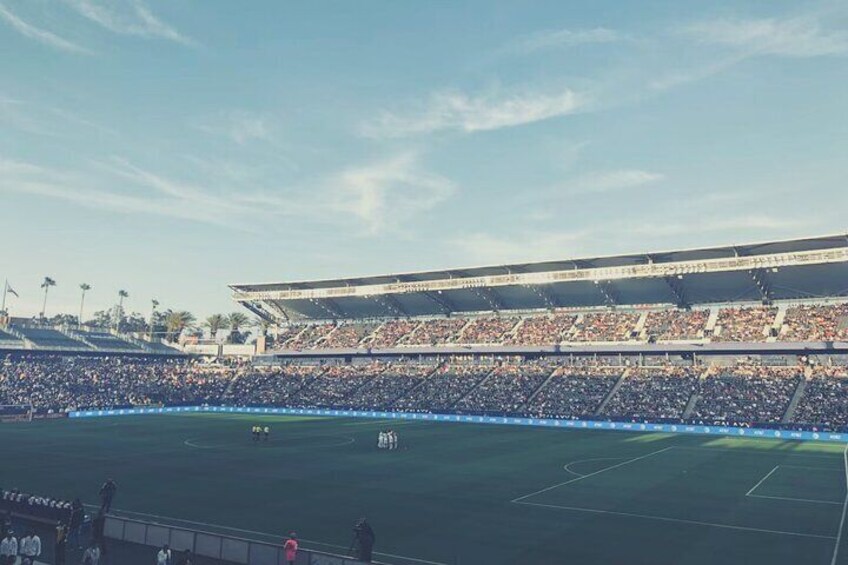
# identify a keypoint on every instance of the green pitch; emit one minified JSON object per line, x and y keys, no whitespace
{"x":454,"y":493}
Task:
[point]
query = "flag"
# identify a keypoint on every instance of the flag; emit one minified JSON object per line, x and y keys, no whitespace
{"x":11,"y":290}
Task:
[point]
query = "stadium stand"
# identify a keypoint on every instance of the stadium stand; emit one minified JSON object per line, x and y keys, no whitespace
{"x":391,"y":333}
{"x":653,"y":394}
{"x":606,"y":326}
{"x":542,"y":329}
{"x":747,"y":394}
{"x":487,"y":330}
{"x":507,"y":389}
{"x":48,"y":338}
{"x":106,"y":341}
{"x":435,"y":332}
{"x":824,"y":405}
{"x":813,"y":322}
{"x":745,"y":324}
{"x":676,"y":325}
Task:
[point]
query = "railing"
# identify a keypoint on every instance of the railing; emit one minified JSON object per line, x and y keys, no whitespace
{"x":216,"y":546}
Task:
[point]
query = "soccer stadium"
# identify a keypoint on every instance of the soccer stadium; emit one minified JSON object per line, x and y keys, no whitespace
{"x":469,"y":283}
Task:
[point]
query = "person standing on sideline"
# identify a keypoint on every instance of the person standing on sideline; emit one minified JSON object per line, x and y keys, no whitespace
{"x":61,"y":544}
{"x":30,"y":548}
{"x":75,"y":523}
{"x":107,"y":494}
{"x":164,"y":556}
{"x":291,"y":548}
{"x":9,"y":549}
{"x":92,"y":554}
{"x":186,"y":558}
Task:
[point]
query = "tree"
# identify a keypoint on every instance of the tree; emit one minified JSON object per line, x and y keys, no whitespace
{"x":235,"y":321}
{"x":176,"y":322}
{"x":48,"y":282}
{"x":215,"y":322}
{"x":119,"y":309}
{"x":85,"y":287}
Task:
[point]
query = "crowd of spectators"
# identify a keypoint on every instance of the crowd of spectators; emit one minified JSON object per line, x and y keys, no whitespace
{"x":824,"y":405}
{"x":542,"y":330}
{"x":653,"y":393}
{"x":335,"y":385}
{"x":666,"y":325}
{"x":746,"y":393}
{"x":816,"y":323}
{"x":748,"y":323}
{"x":381,"y":391}
{"x":606,"y":326}
{"x":270,"y":386}
{"x":736,"y":324}
{"x":507,"y":389}
{"x":574,"y":392}
{"x":391,"y":333}
{"x":438,"y":331}
{"x":443,"y":389}
{"x":487,"y":330}
{"x":750,"y":392}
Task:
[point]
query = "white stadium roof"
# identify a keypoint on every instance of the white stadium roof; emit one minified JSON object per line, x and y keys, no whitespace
{"x":814,"y":267}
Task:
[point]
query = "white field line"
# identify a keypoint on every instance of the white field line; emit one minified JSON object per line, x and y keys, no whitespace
{"x":844,"y":510}
{"x":598,"y":472}
{"x":748,"y":451}
{"x":190,"y":443}
{"x":567,"y":466}
{"x":264,"y":534}
{"x":678,"y":520}
{"x":788,"y":499}
{"x":769,"y":474}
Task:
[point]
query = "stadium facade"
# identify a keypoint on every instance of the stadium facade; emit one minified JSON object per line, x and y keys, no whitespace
{"x":780,"y":273}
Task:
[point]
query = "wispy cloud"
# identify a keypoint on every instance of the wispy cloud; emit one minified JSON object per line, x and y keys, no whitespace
{"x":128,"y":18}
{"x":459,"y":111}
{"x":607,"y":181}
{"x":560,"y":38}
{"x":791,"y":37}
{"x":383,"y":196}
{"x":238,"y":125}
{"x":41,"y":35}
{"x":490,"y":248}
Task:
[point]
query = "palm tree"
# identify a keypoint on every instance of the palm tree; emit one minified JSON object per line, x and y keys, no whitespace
{"x":85,"y":287}
{"x":48,"y":282}
{"x":119,"y":310}
{"x":176,"y":322}
{"x":154,"y":304}
{"x":215,"y":322}
{"x":235,"y":321}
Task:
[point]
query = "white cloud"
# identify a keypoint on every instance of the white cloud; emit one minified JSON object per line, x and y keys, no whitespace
{"x":385,"y":195}
{"x":793,"y":37}
{"x":458,"y":111}
{"x":238,"y":125}
{"x":552,"y":39}
{"x":613,"y":180}
{"x":128,"y":18}
{"x":38,"y":34}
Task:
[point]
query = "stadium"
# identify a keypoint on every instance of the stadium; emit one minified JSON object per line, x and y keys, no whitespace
{"x":423,"y":283}
{"x":670,"y":397}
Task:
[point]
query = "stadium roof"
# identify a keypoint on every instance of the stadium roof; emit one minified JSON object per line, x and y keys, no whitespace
{"x":814,"y":267}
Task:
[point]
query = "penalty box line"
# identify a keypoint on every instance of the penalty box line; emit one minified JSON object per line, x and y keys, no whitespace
{"x":751,"y":494}
{"x":598,"y":472}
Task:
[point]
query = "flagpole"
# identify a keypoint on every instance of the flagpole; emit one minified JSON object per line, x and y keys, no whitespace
{"x":5,"y":288}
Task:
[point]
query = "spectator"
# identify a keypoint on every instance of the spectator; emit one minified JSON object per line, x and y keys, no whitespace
{"x":61,"y":544}
{"x":9,"y":549}
{"x":91,"y":555}
{"x":186,"y":558}
{"x":290,"y":548}
{"x":164,"y":556}
{"x":75,"y":523}
{"x":30,"y":548}
{"x":107,"y":494}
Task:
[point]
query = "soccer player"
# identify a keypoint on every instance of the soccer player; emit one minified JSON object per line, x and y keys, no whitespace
{"x":392,"y":439}
{"x":30,"y":548}
{"x":9,"y":549}
{"x":267,"y":431}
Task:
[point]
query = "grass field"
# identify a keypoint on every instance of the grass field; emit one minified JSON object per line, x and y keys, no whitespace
{"x":455,"y":493}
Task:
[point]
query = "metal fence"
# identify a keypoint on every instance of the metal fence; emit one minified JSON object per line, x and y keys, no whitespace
{"x":217,"y":546}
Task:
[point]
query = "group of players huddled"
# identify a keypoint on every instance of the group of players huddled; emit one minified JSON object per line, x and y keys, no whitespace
{"x":259,"y":431}
{"x":387,"y":440}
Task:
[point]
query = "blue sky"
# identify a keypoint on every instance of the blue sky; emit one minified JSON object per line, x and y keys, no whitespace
{"x":172,"y":147}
